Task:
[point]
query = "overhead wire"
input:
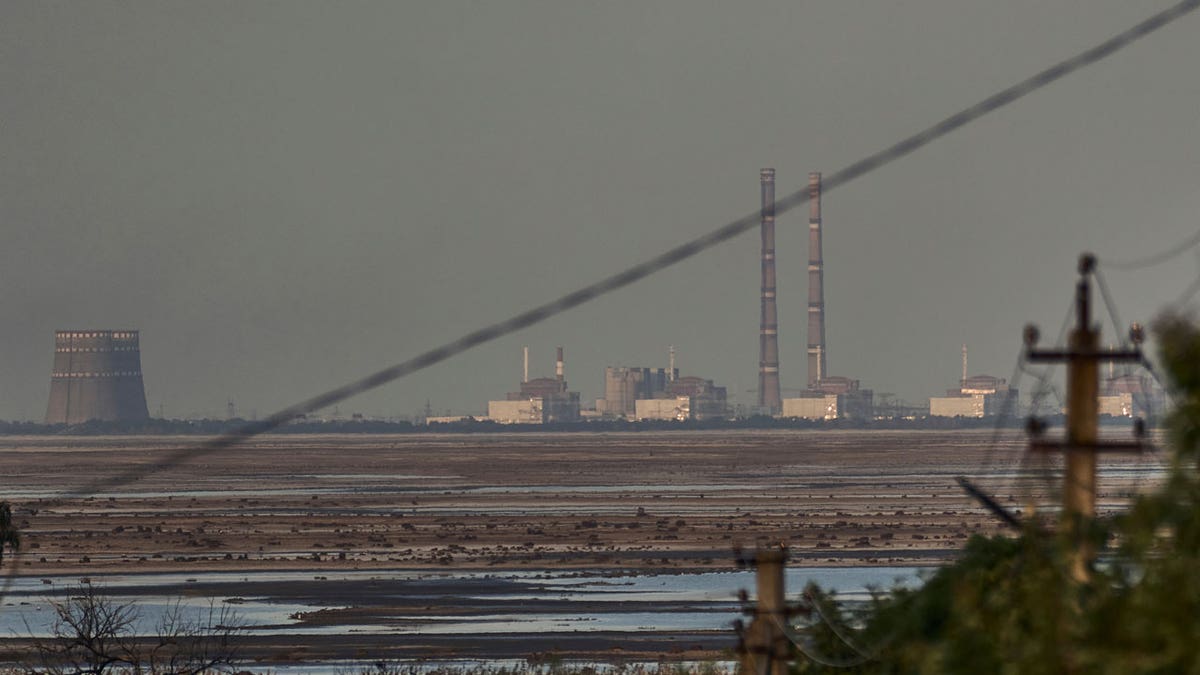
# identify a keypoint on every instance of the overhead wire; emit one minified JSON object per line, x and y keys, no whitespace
{"x":1140,"y":398}
{"x":810,"y":652}
{"x":1119,"y":328}
{"x":1024,"y":479}
{"x":642,"y":270}
{"x":1156,"y":258}
{"x":840,"y":634}
{"x":1187,"y":295}
{"x":1005,"y":416}
{"x":991,"y":502}
{"x":662,"y":261}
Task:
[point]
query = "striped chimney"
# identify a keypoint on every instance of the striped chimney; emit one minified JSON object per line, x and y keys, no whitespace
{"x":769,"y":399}
{"x":817,"y":351}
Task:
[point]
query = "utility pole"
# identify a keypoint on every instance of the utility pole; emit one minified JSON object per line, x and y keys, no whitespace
{"x":1083,"y":357}
{"x":764,"y":647}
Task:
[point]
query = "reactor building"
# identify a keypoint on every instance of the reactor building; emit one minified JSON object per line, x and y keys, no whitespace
{"x":660,"y":394}
{"x":685,"y":398}
{"x":97,"y":375}
{"x":976,"y":396}
{"x":1130,"y":395}
{"x":624,"y":386}
{"x":542,"y":400}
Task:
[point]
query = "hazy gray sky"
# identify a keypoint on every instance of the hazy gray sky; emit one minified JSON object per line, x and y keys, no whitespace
{"x":283,"y":196}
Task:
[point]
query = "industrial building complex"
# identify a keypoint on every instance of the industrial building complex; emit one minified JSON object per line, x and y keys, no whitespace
{"x":654,"y":393}
{"x":97,"y":373}
{"x":976,"y":396}
{"x":625,"y":386}
{"x":1130,"y":395}
{"x":651,"y":393}
{"x":538,"y":401}
{"x":630,"y":393}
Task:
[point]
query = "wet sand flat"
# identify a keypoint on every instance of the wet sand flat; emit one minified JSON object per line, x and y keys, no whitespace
{"x":642,"y":503}
{"x":653,"y":501}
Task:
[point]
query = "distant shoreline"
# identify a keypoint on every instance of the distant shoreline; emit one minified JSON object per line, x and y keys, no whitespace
{"x":165,"y":427}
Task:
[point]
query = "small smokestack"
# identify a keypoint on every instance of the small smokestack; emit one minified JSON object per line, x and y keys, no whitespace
{"x":769,"y":398}
{"x":671,"y":363}
{"x":964,"y":377}
{"x":816,"y":285}
{"x":558,"y":366}
{"x":525,"y":372}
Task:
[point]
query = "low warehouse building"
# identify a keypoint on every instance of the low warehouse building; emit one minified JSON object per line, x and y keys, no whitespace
{"x":526,"y":411}
{"x":815,"y":407}
{"x":678,"y":409}
{"x":977,"y":396}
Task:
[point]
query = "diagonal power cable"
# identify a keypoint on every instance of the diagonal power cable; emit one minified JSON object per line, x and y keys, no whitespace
{"x":1156,"y":258}
{"x":660,"y":262}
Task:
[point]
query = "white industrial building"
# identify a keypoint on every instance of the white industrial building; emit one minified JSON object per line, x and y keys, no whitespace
{"x":678,"y":408}
{"x":1117,"y":405}
{"x":818,"y":407}
{"x":524,"y":411}
{"x":958,"y":405}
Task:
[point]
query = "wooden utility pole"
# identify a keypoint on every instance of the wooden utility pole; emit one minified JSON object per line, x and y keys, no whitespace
{"x":765,"y":648}
{"x":1083,"y":357}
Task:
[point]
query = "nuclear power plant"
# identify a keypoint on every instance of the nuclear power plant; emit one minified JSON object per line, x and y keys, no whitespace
{"x":648,"y":393}
{"x":97,"y":375}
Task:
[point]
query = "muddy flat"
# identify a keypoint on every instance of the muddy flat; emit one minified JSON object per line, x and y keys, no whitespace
{"x":630,"y":503}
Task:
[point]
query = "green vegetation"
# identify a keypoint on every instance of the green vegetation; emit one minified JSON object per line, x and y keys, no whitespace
{"x":9,"y":536}
{"x":1010,"y":606}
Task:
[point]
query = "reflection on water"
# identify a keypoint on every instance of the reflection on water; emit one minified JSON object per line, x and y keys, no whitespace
{"x":35,"y":616}
{"x":531,"y":602}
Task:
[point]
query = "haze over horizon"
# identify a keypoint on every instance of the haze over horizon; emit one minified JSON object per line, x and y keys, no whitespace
{"x":286,"y":196}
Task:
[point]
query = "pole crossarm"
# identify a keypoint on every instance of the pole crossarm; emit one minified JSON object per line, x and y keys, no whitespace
{"x":1113,"y":446}
{"x":1068,"y":355}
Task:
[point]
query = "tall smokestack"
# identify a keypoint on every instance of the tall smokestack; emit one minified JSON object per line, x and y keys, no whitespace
{"x":558,"y":366}
{"x":817,"y":352}
{"x":525,"y":372}
{"x":768,"y":342}
{"x":671,"y":363}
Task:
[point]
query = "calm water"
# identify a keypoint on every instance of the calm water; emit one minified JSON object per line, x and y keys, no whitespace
{"x":639,"y":603}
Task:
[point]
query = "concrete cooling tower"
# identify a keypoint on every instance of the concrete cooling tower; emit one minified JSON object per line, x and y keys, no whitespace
{"x":97,"y":376}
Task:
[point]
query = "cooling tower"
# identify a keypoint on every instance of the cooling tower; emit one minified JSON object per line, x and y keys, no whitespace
{"x":97,"y":376}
